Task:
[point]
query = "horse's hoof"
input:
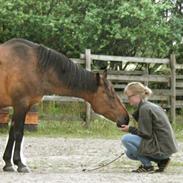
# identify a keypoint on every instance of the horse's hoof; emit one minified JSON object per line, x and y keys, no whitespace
{"x":23,"y":169}
{"x":8,"y":168}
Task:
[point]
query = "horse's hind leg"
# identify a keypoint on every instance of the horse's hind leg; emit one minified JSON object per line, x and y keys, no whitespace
{"x":15,"y":137}
{"x":19,"y":116}
{"x":8,"y":151}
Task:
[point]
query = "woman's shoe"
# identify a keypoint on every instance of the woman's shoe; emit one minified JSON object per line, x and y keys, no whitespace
{"x":162,"y":165}
{"x":142,"y":169}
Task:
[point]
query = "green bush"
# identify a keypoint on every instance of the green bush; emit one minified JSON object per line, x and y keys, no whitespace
{"x":108,"y":27}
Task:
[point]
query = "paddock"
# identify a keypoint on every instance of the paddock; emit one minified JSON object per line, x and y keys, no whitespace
{"x":57,"y":160}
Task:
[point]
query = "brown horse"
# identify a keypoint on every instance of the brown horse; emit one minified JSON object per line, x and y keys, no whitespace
{"x":28,"y":71}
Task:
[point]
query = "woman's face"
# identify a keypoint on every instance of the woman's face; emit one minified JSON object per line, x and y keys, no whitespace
{"x":133,"y":99}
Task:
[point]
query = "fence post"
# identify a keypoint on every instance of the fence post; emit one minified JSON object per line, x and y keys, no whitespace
{"x":88,"y":60}
{"x":173,"y":88}
{"x":146,"y":74}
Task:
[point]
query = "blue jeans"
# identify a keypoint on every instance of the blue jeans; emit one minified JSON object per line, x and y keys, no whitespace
{"x":131,"y":143}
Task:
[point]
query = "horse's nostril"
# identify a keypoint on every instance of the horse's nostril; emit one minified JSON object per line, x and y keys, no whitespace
{"x":123,"y":121}
{"x":126,"y":119}
{"x":118,"y":124}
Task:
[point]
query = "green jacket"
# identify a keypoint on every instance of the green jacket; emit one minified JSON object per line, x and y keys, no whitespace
{"x":155,"y":129}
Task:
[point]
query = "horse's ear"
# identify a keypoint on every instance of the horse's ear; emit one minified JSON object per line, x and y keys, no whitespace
{"x":98,"y":78}
{"x":105,"y":74}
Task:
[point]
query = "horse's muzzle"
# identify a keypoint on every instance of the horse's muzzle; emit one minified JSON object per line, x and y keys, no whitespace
{"x":122,"y":121}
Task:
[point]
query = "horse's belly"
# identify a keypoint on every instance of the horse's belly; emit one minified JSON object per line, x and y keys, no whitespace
{"x":5,"y":101}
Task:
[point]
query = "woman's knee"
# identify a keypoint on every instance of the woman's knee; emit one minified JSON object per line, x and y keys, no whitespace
{"x":126,"y":139}
{"x":131,"y":139}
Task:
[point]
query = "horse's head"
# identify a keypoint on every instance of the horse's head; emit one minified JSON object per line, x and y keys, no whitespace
{"x":107,"y":103}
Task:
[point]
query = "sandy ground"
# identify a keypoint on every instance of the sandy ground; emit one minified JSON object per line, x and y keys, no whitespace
{"x":55,"y":160}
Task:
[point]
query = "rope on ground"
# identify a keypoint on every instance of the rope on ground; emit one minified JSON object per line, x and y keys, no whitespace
{"x":101,"y":166}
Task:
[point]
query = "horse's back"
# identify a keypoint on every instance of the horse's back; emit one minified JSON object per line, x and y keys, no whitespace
{"x":17,"y":48}
{"x":17,"y":69}
{"x":19,"y":41}
{"x":17,"y":54}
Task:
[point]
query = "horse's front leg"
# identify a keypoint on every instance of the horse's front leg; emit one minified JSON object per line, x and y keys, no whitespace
{"x":8,"y":151}
{"x":18,"y":136}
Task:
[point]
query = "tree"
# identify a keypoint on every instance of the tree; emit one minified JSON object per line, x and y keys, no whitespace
{"x":130,"y":28}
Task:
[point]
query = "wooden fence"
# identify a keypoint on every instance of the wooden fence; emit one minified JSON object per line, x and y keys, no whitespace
{"x":170,"y":83}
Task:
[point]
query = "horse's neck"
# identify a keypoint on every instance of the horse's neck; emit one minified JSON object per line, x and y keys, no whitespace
{"x":86,"y":95}
{"x":52,"y":85}
{"x":62,"y":91}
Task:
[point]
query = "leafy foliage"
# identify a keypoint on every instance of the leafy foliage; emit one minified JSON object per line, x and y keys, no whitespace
{"x":111,"y":27}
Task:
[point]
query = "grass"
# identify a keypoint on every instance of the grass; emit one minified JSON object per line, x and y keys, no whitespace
{"x":178,"y":127}
{"x":64,"y":120}
{"x":77,"y":129}
{"x":99,"y":128}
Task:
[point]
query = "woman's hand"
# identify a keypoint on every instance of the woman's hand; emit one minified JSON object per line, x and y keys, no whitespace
{"x":124,"y":128}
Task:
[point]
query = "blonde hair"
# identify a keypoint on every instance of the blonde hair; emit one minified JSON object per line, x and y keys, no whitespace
{"x":138,"y":88}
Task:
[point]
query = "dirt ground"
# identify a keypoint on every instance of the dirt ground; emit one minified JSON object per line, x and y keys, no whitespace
{"x":55,"y":160}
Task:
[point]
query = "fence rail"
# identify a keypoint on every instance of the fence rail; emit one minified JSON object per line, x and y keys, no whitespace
{"x":127,"y":59}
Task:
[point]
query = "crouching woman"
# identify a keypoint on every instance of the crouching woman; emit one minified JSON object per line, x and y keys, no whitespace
{"x":154,"y":139}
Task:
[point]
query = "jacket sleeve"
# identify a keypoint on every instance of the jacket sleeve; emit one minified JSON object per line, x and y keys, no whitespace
{"x":144,"y":129}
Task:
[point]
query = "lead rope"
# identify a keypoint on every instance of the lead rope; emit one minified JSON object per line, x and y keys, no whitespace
{"x":103,"y":165}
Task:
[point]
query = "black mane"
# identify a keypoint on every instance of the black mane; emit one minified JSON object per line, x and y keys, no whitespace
{"x":69,"y":73}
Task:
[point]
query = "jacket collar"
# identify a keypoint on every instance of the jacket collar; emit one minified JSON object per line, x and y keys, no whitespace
{"x":136,"y":113}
